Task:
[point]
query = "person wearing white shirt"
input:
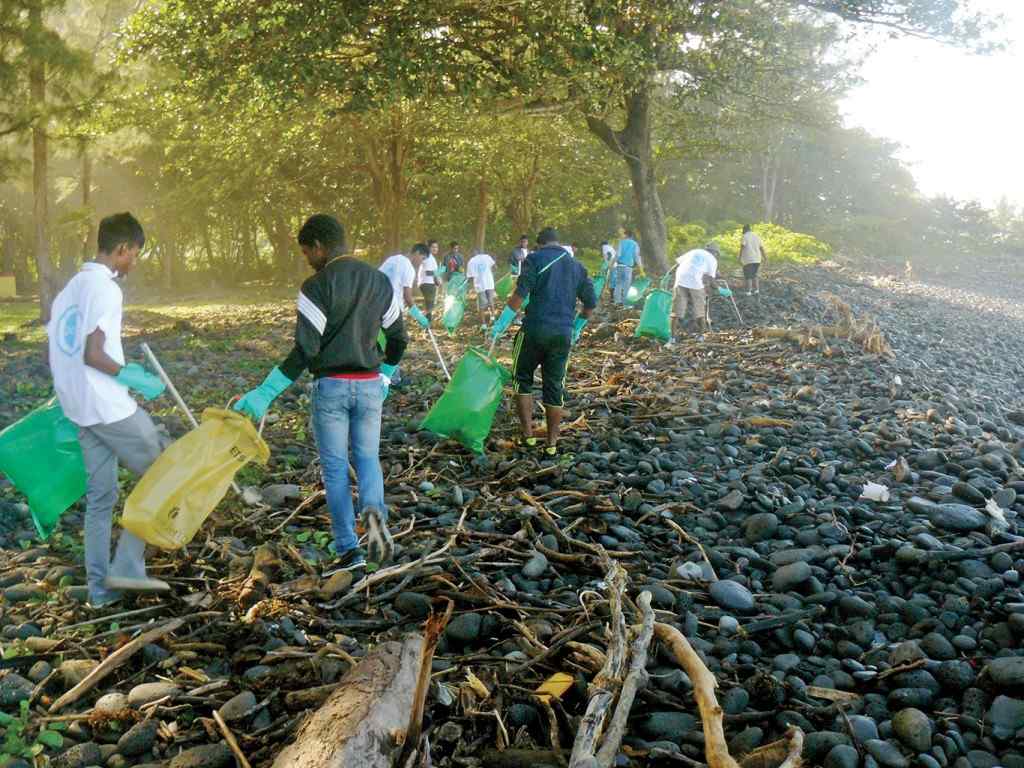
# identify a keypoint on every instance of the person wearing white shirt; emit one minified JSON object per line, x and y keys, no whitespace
{"x":92,"y":383}
{"x":480,"y":270}
{"x":427,"y":278}
{"x":751,"y":254}
{"x":401,"y":271}
{"x":694,"y":271}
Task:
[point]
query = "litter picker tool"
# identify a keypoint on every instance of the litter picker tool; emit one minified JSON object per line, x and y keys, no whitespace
{"x":732,"y":298}
{"x":440,"y":357}
{"x":177,"y":397}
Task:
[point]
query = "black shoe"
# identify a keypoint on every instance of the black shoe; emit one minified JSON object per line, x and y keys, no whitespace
{"x":349,"y":560}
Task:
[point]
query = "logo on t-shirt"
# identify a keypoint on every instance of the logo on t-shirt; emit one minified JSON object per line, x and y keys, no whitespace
{"x":69,"y":340}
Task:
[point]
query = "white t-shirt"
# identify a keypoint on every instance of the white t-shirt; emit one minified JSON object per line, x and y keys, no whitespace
{"x":479,"y":270}
{"x":693,"y":265}
{"x":429,"y":264}
{"x":608,"y":253}
{"x":750,"y":248}
{"x":401,"y":273}
{"x":89,"y":301}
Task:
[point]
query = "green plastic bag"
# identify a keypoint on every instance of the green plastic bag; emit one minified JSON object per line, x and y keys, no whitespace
{"x":656,"y":318}
{"x":466,"y":410}
{"x":599,"y":286}
{"x":668,"y":280}
{"x":637,"y":290}
{"x":504,"y":287}
{"x":458,"y":285}
{"x":454,"y":309}
{"x":41,"y":456}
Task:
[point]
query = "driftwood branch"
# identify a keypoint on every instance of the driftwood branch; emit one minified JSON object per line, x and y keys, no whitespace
{"x":113,"y":661}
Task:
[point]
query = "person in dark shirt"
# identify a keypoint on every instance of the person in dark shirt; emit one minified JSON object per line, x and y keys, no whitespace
{"x":518,"y":255}
{"x":554,"y":282}
{"x":341,"y":310}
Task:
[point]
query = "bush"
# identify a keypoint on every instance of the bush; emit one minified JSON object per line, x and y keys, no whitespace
{"x":780,"y":243}
{"x":684,"y":237}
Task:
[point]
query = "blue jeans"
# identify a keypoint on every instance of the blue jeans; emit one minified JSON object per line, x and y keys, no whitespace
{"x":346,"y":414}
{"x":623,"y":280}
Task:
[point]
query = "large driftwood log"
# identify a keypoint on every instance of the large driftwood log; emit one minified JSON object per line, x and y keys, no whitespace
{"x":363,"y":722}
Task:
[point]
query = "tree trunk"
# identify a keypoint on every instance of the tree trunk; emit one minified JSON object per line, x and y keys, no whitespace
{"x":364,"y":721}
{"x":634,"y":145}
{"x":89,"y":241}
{"x":483,"y":206}
{"x":168,"y":255}
{"x":40,"y":187}
{"x":520,"y":208}
{"x":387,"y":165}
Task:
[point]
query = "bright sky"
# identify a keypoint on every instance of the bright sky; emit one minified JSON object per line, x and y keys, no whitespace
{"x":958,"y":116}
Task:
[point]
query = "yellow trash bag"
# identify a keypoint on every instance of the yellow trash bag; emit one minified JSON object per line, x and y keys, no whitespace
{"x":181,"y":489}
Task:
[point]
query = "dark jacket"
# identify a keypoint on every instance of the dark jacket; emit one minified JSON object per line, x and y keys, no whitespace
{"x":554,"y":282}
{"x":341,"y":310}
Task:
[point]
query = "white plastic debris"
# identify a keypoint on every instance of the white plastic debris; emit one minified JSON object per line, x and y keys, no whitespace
{"x":997,"y":514}
{"x":875,"y":492}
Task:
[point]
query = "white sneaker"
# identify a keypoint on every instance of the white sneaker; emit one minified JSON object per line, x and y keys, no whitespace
{"x":750,"y":293}
{"x":670,"y":343}
{"x":124,"y":584}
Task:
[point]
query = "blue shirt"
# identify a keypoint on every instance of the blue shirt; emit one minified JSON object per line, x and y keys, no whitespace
{"x":554,"y":281}
{"x":628,"y":252}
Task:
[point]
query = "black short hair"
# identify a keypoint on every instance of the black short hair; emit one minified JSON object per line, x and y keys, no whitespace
{"x":746,"y":227}
{"x":421,"y":249}
{"x":453,"y":243}
{"x":604,"y":242}
{"x":525,"y":237}
{"x":547,"y":235}
{"x":431,"y":242}
{"x":323,"y":229}
{"x":629,"y":233}
{"x":118,"y":229}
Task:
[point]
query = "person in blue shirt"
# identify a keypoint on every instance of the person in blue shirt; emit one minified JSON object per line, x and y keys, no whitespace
{"x":554,"y":282}
{"x":628,"y":259}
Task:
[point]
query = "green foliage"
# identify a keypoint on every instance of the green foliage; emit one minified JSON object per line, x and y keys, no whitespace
{"x":780,"y":243}
{"x":684,"y":237}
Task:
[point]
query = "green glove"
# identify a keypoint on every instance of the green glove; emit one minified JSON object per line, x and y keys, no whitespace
{"x":724,"y":291}
{"x":255,"y":402}
{"x":503,"y":322}
{"x":134,"y":376}
{"x":577,"y":328}
{"x":416,"y":314}
{"x":387,"y":372}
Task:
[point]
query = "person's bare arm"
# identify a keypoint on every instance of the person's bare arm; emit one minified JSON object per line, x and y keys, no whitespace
{"x":515,"y":301}
{"x":95,"y":357}
{"x":407,"y":292}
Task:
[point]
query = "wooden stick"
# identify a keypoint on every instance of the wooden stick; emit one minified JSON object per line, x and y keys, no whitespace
{"x":635,"y":680}
{"x":432,"y":633}
{"x":229,"y":737}
{"x":715,"y":749}
{"x":113,"y":661}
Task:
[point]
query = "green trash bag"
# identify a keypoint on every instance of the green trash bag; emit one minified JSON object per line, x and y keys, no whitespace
{"x":504,"y":287}
{"x":41,"y":456}
{"x":457,"y":286}
{"x":637,"y":290}
{"x":668,"y":280}
{"x":466,"y":410}
{"x":599,"y":286}
{"x":454,"y":309}
{"x":656,"y":318}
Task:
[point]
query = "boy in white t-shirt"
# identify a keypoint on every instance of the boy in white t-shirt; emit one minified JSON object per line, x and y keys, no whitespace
{"x":427,"y":278}
{"x":92,"y":382}
{"x":480,"y":270}
{"x":401,"y":271}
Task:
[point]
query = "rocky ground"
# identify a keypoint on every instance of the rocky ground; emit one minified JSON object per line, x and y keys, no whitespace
{"x":734,"y":478}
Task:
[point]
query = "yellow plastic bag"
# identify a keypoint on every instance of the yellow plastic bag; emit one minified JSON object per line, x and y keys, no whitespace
{"x":181,"y":489}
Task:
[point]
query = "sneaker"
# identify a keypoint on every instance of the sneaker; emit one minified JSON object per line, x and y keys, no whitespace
{"x":125,"y":584}
{"x":380,"y":545}
{"x":670,"y":343}
{"x":349,"y":560}
{"x":750,"y":293}
{"x":527,"y":442}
